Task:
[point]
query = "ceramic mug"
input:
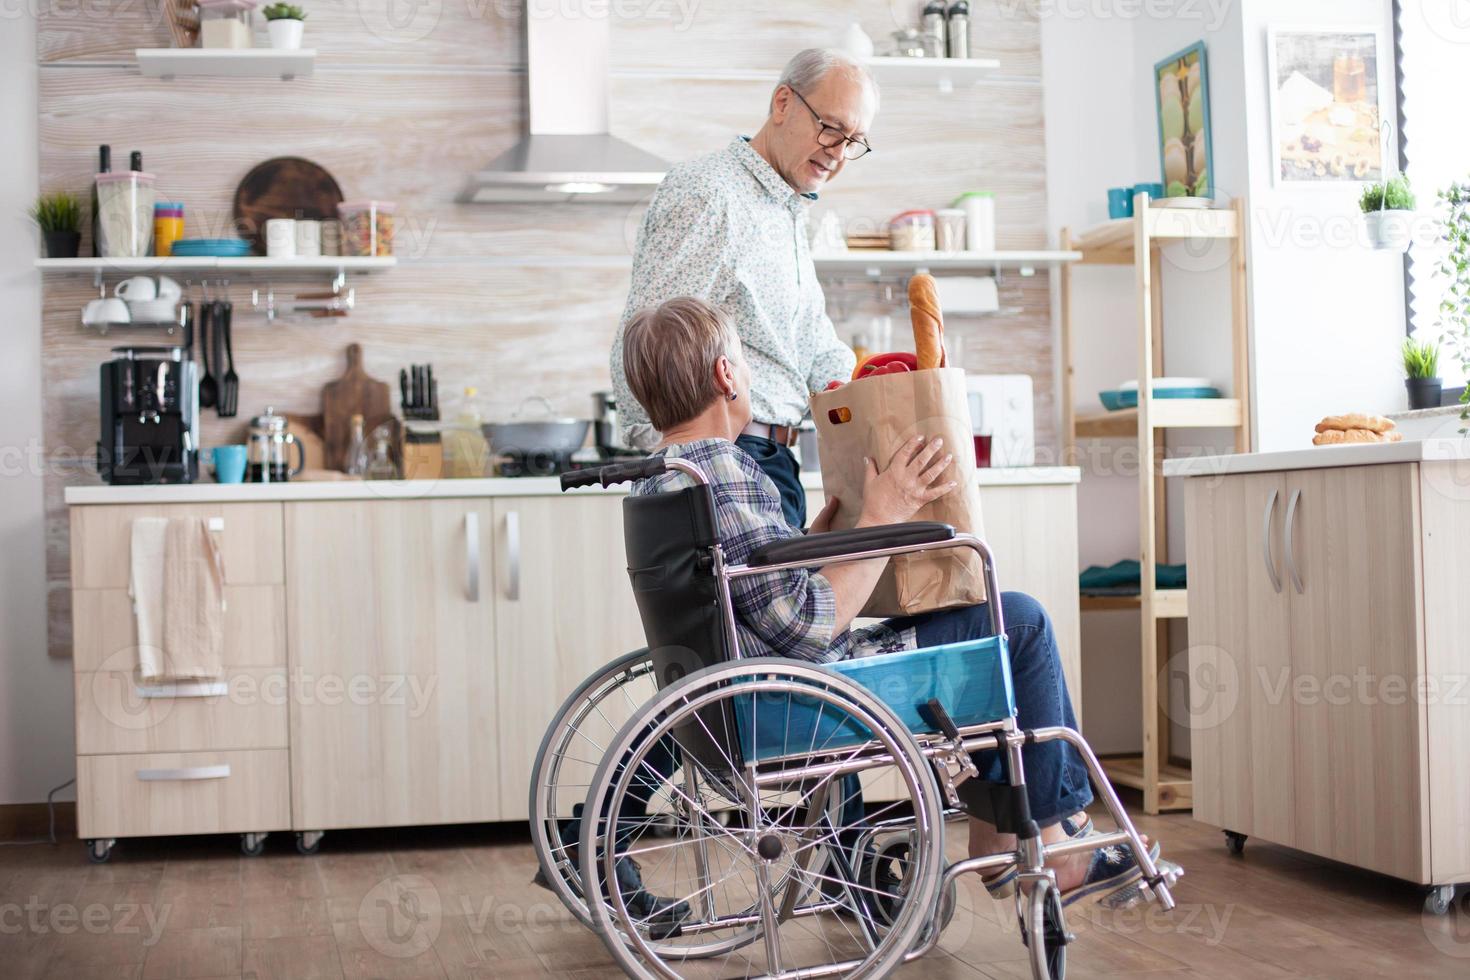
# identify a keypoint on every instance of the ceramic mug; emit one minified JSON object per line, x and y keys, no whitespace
{"x":280,"y":238}
{"x":136,"y":288}
{"x":106,"y":310}
{"x":1120,"y":202}
{"x":229,"y":464}
{"x":1154,"y":191}
{"x":308,"y":238}
{"x":169,"y":290}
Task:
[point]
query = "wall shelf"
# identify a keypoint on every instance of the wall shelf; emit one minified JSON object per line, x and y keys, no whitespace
{"x":1111,"y":243}
{"x":247,"y":264}
{"x":875,"y":263}
{"x":168,"y":63}
{"x":942,"y":73}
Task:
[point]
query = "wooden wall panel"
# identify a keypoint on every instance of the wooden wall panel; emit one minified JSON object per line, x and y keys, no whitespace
{"x":515,"y":300}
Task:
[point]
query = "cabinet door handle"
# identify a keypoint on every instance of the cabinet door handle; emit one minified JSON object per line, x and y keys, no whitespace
{"x":472,"y":556}
{"x":184,"y":775}
{"x":1266,"y":542}
{"x":1296,"y":579}
{"x":513,"y":551}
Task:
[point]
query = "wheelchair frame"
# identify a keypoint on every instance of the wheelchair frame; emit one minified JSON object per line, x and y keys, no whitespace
{"x":947,"y":752}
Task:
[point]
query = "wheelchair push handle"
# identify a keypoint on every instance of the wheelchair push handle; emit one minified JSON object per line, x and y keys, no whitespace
{"x":633,"y":469}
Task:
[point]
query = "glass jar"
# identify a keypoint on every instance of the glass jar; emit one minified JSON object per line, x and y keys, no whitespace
{"x":367,"y":227}
{"x":125,"y":214}
{"x":912,"y":231}
{"x":908,"y":43}
{"x":226,"y":23}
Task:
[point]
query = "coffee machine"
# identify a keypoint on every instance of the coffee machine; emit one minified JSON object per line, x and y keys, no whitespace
{"x":150,"y":417}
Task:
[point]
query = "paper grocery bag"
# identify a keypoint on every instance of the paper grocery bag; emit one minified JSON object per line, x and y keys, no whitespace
{"x":872,"y":417}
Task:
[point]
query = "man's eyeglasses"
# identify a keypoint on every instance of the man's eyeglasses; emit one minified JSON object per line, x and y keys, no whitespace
{"x":830,"y":137}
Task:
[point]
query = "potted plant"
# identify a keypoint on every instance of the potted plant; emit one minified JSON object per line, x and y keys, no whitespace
{"x":1421,"y":373}
{"x":1388,"y":208}
{"x":59,"y":216}
{"x":284,"y":22}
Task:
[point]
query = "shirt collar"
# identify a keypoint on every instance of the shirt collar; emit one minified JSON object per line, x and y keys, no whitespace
{"x":763,"y":172}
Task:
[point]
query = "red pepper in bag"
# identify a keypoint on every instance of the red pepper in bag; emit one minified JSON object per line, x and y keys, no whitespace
{"x":872,"y":364}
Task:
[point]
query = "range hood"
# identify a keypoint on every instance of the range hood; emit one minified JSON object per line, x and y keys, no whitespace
{"x":569,"y":155}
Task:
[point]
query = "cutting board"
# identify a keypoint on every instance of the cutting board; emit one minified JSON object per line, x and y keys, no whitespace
{"x":355,"y":393}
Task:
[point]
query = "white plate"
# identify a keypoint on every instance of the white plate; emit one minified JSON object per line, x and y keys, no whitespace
{"x":1162,"y":383}
{"x":1196,"y":203}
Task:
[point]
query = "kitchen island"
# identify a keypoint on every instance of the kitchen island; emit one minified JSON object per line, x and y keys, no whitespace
{"x":395,"y":649}
{"x":1328,"y":651}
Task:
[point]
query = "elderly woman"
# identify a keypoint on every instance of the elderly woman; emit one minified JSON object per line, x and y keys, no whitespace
{"x":685,"y":365}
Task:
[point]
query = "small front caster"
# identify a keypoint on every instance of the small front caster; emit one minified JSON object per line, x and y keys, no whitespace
{"x":1235,"y":843}
{"x":309,"y":841}
{"x":99,"y":849}
{"x":252,"y":845}
{"x":1439,"y":899}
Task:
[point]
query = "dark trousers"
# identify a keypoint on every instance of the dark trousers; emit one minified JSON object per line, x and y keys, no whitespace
{"x":1056,"y":777}
{"x":781,"y":466}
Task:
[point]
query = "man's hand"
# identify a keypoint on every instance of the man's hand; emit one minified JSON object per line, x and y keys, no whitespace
{"x":911,"y":480}
{"x":823,"y":521}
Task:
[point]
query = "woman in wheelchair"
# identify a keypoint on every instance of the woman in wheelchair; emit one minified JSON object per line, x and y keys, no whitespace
{"x":684,"y":363}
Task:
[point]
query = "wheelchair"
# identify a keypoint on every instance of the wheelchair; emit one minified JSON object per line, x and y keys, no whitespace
{"x":793,"y":813}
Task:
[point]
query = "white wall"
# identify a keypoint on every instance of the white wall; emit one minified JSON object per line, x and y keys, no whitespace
{"x":1329,"y":312}
{"x":36,"y":741}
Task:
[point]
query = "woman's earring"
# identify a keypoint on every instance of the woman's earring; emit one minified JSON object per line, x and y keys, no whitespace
{"x":734,"y":395}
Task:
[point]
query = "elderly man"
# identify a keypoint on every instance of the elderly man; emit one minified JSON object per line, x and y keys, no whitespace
{"x":730,"y":228}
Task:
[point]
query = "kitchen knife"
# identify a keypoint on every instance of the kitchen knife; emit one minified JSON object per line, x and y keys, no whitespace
{"x":403,"y":389}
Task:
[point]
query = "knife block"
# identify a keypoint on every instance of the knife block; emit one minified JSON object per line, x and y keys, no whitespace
{"x":422,"y":454}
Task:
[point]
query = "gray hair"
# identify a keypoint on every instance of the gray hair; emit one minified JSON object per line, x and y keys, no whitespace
{"x":808,"y":67}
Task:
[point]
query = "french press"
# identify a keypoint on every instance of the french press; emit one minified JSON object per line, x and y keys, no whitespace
{"x":268,"y":455}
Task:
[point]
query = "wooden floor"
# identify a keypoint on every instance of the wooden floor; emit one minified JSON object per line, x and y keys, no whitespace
{"x":456,"y":902}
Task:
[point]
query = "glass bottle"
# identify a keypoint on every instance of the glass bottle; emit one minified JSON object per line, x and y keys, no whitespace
{"x":357,"y":456}
{"x":381,"y":467}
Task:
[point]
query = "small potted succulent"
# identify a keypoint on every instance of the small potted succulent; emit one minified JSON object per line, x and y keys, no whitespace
{"x":1388,"y":210}
{"x":59,"y":217}
{"x":1421,"y":370}
{"x":284,"y":22}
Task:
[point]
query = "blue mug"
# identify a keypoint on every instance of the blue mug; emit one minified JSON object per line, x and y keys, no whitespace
{"x":229,"y":464}
{"x":1155,"y":192}
{"x":1120,"y":202}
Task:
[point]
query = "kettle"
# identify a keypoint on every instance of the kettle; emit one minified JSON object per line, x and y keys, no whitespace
{"x":609,"y":431}
{"x":269,"y":459}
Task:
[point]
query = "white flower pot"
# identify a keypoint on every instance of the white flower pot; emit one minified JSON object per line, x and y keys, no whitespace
{"x":285,"y":34}
{"x":1389,"y":230}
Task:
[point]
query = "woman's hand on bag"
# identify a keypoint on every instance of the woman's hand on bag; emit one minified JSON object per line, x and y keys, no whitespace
{"x":911,"y":480}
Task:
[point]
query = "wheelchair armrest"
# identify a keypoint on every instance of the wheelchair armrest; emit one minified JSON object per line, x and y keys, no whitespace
{"x":836,"y":544}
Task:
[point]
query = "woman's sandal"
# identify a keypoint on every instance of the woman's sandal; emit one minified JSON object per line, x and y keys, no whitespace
{"x":1003,"y":885}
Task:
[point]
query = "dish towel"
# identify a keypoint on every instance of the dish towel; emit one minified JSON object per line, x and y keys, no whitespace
{"x":1123,"y":577}
{"x":177,"y":584}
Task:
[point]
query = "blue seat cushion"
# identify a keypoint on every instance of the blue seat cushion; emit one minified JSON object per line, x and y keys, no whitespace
{"x":971,"y":679}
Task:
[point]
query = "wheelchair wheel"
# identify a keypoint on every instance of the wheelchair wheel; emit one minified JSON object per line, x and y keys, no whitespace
{"x":1044,"y":931}
{"x":777,"y":891}
{"x":568,"y":757}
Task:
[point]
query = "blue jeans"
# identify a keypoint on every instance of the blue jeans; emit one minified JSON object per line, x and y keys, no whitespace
{"x":781,"y":466}
{"x":1056,"y":777}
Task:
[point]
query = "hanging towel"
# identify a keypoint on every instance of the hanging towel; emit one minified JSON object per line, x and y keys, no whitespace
{"x":1122,"y":578}
{"x":177,"y":585}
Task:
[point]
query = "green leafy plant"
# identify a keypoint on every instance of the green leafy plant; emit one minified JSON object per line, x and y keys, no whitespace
{"x":1454,"y":305}
{"x":1421,"y":359}
{"x":1396,"y":189}
{"x":61,"y":211}
{"x":283,"y":11}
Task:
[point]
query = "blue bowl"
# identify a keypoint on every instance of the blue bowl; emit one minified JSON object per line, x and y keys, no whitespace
{"x":1117,"y":400}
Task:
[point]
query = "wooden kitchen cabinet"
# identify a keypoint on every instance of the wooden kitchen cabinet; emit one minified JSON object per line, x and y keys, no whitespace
{"x":391,"y":628}
{"x":1310,"y":630}
{"x":563,"y":609}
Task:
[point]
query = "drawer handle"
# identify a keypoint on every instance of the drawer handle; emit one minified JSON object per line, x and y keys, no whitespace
{"x":472,"y":555}
{"x":1266,"y":543}
{"x":184,"y":775}
{"x":183,"y":689}
{"x":1296,"y":579}
{"x":513,"y":545}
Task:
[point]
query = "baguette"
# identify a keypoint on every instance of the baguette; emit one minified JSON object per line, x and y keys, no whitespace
{"x":927,"y":320}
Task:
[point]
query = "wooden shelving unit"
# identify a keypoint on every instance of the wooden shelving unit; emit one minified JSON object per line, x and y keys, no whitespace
{"x":1137,"y":241}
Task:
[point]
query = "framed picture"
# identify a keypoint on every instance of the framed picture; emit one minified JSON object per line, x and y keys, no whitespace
{"x":1325,"y":108}
{"x":1182,"y":95}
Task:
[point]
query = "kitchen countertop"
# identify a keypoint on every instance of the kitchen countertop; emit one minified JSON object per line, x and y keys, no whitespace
{"x":427,"y":489}
{"x":1321,"y":457}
